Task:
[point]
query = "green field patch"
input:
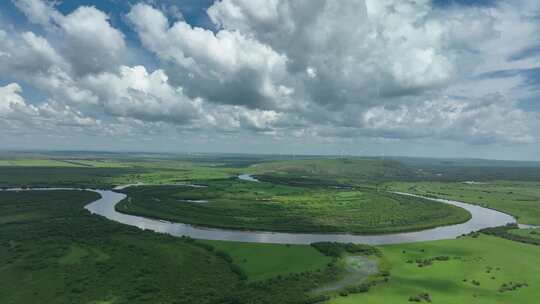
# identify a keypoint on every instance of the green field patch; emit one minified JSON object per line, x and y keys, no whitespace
{"x":36,"y":163}
{"x":521,"y":199}
{"x":333,"y":170}
{"x":265,"y":261}
{"x":528,"y":233}
{"x":95,"y":174}
{"x":74,"y":256}
{"x":14,"y":218}
{"x":474,"y":273}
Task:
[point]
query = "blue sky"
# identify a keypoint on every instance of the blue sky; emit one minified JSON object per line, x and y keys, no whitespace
{"x":444,"y":78}
{"x":194,"y":11}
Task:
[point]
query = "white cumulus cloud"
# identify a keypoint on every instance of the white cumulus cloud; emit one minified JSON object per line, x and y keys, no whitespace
{"x":321,"y":69}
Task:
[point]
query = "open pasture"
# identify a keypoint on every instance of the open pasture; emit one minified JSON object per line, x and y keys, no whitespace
{"x":483,"y":269}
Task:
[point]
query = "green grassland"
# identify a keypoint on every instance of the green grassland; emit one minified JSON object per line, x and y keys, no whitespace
{"x":338,"y":170}
{"x":521,"y":199}
{"x":231,"y":203}
{"x":478,"y":270}
{"x":374,"y":171}
{"x":35,"y":163}
{"x":110,"y":169}
{"x":60,"y":163}
{"x":103,"y":173}
{"x":513,"y":233}
{"x":527,"y":233}
{"x":66,"y":176}
{"x":54,"y":251}
{"x":266,"y":261}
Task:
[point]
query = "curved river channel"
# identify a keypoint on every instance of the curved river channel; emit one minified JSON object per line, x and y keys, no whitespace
{"x":481,"y":218}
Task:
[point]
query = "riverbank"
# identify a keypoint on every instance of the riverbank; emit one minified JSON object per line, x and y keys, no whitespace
{"x":481,"y":218}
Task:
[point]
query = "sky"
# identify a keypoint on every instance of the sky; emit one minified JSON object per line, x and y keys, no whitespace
{"x":428,"y":78}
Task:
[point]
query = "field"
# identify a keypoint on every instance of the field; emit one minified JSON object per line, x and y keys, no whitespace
{"x":103,"y":173}
{"x":341,"y":170}
{"x":245,"y":205}
{"x":374,"y":171}
{"x":62,"y":163}
{"x":521,"y":199}
{"x":48,"y":237}
{"x":266,"y":261}
{"x":476,"y":271}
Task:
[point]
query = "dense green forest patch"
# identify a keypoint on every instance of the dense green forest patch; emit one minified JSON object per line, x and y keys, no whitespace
{"x":54,"y":251}
{"x":235,"y":204}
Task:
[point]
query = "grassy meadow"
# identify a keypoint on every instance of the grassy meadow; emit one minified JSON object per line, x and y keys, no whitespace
{"x":520,"y":199}
{"x":334,"y":170}
{"x":533,"y":233}
{"x":266,"y":261}
{"x":103,"y":173}
{"x":484,"y":269}
{"x":232,"y":203}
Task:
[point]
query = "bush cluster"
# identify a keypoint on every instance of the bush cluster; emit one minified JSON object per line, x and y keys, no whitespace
{"x":503,"y":232}
{"x":429,"y":261}
{"x":422,"y":297}
{"x":512,"y":286}
{"x":334,"y":249}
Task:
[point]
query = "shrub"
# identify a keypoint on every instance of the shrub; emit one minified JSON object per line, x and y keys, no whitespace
{"x":317,"y":299}
{"x":358,"y":289}
{"x":511,"y":286}
{"x":334,"y":249}
{"x":423,"y":297}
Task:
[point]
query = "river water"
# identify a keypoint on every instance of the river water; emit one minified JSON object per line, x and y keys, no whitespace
{"x":481,"y":218}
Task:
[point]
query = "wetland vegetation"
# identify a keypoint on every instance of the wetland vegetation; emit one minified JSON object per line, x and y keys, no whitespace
{"x":521,"y":199}
{"x":52,"y":250}
{"x":231,"y":203}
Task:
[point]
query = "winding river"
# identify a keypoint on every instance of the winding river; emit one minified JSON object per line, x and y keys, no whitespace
{"x":481,"y":218}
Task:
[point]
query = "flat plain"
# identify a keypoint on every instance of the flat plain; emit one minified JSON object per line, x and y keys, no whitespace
{"x":520,"y":199}
{"x":484,"y":269}
{"x":231,"y":203}
{"x":53,"y":250}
